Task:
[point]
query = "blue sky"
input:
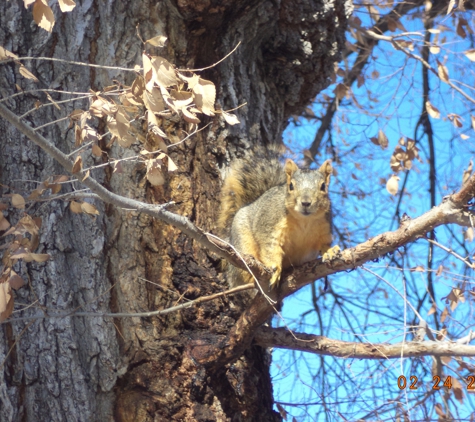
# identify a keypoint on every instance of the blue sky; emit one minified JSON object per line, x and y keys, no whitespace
{"x":391,"y":100}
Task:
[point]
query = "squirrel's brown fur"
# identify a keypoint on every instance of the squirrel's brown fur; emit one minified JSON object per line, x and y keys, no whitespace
{"x":281,"y":216}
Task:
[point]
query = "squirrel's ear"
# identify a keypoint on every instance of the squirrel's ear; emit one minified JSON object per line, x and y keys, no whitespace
{"x":290,"y":168}
{"x":326,"y":169}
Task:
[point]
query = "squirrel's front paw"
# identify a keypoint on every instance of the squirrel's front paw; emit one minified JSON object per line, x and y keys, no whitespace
{"x":331,"y":253}
{"x":274,"y":281}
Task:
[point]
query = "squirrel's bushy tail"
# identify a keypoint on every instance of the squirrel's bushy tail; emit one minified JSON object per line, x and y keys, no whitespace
{"x":246,"y":181}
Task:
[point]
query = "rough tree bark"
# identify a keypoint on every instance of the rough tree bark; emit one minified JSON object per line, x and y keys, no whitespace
{"x":132,"y":369}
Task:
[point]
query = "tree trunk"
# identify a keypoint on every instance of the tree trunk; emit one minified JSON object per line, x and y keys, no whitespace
{"x":139,"y":369}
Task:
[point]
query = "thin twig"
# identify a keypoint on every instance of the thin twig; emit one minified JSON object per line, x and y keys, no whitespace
{"x":450,"y":251}
{"x":213,"y":65}
{"x":31,"y":91}
{"x":52,"y":104}
{"x":53,"y":59}
{"x":415,"y":56}
{"x":176,"y":308}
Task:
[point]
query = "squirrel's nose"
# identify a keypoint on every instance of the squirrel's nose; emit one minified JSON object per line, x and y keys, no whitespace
{"x":306,"y":204}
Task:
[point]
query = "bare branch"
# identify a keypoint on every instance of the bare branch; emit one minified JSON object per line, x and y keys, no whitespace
{"x":241,"y":335}
{"x":400,"y":47}
{"x":320,"y":345}
{"x":74,"y":313}
{"x":53,"y":59}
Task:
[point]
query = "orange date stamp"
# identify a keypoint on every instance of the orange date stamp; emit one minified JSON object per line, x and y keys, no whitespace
{"x":438,"y":382}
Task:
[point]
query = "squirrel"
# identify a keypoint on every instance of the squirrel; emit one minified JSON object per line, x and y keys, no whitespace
{"x":279,"y":215}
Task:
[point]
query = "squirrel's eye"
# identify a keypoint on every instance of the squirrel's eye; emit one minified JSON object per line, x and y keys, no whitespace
{"x":291,"y":186}
{"x":322,"y":188}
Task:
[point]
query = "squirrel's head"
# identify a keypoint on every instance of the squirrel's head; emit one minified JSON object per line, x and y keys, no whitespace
{"x":307,"y":190}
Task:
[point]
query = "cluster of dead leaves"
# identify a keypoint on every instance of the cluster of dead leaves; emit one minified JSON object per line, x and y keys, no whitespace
{"x":7,"y":55}
{"x":159,"y":93}
{"x":402,"y":159}
{"x":42,"y":13}
{"x":24,"y":240}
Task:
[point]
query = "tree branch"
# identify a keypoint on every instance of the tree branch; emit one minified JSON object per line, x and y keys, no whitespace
{"x":320,"y":345}
{"x":240,"y":337}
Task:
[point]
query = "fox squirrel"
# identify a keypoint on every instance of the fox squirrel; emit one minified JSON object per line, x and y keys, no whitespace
{"x":281,"y":216}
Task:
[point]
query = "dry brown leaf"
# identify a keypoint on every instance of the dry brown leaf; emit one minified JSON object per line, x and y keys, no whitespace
{"x":55,"y":188}
{"x":158,"y":41}
{"x":117,"y":167}
{"x":88,"y":208}
{"x":382,"y":139}
{"x":392,"y":25}
{"x":457,"y":389}
{"x":96,"y":150}
{"x":373,"y":12}
{"x":52,"y":101}
{"x":231,"y":119}
{"x":431,"y":310}
{"x":75,"y":115}
{"x":43,"y":15}
{"x":153,"y":125}
{"x":86,"y":175}
{"x":360,"y":81}
{"x":340,"y":91}
{"x":154,"y":173}
{"x":467,"y":172}
{"x":171,"y":165}
{"x":392,"y":185}
{"x":118,"y":124}
{"x":444,"y":315}
{"x":165,"y":75}
{"x":374,"y":140}
{"x":153,"y":100}
{"x":443,"y":72}
{"x":455,"y":297}
{"x":138,"y":87}
{"x":148,"y":72}
{"x":205,"y":96}
{"x":189,"y":116}
{"x":15,"y":281}
{"x":66,"y":5}
{"x":460,"y":30}
{"x":432,"y":111}
{"x":190,"y":80}
{"x":4,"y":223}
{"x":27,"y":74}
{"x":101,"y":107}
{"x":77,"y":166}
{"x":18,"y":201}
{"x":75,"y":207}
{"x":38,"y":257}
{"x":469,"y":53}
{"x":282,"y":411}
{"x":27,"y":225}
{"x":6,"y":301}
{"x":5,"y":54}
{"x":77,"y":136}
{"x":450,"y":6}
{"x":180,"y":99}
{"x":455,"y":119}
